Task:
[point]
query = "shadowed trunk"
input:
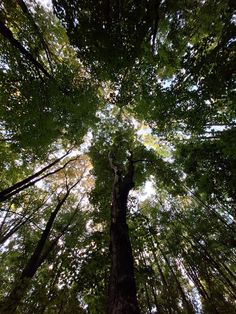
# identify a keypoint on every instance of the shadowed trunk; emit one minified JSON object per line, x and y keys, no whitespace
{"x":41,"y":252}
{"x":7,"y":33}
{"x":31,"y":180}
{"x":27,"y":12}
{"x":122,"y":290}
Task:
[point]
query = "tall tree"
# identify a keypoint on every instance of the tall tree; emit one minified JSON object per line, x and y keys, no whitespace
{"x":148,"y":89}
{"x":122,"y":290}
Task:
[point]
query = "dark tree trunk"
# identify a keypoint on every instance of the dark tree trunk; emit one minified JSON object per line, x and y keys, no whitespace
{"x":27,"y":12}
{"x":187,"y":304}
{"x":10,"y":304}
{"x":122,"y":290}
{"x":31,"y":180}
{"x":6,"y":235}
{"x":7,"y":33}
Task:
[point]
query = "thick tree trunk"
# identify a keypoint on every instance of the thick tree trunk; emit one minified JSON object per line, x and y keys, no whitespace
{"x":122,"y":290}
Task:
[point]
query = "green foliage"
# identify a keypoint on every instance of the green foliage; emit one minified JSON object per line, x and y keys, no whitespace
{"x":121,"y":74}
{"x":108,"y":35}
{"x":27,"y":98}
{"x":211,"y":166}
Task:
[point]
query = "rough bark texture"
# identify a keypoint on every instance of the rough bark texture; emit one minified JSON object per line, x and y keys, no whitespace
{"x":122,"y":290}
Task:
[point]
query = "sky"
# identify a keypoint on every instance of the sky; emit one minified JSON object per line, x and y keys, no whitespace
{"x":45,"y":3}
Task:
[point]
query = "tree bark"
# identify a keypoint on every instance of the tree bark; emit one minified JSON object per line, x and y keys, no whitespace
{"x":187,"y":304}
{"x":23,"y":184}
{"x":27,"y":12}
{"x":10,"y":304}
{"x":7,"y":33}
{"x":6,"y":235}
{"x":122,"y":289}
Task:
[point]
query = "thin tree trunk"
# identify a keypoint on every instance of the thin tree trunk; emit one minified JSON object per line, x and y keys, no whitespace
{"x":4,"y":219}
{"x":36,"y":28}
{"x":122,"y":289}
{"x":171,"y":308}
{"x":148,"y":298}
{"x":31,"y":183}
{"x":17,"y":187}
{"x":7,"y":33}
{"x":15,"y":228}
{"x":197,"y":281}
{"x":192,"y":274}
{"x":214,"y":265}
{"x":10,"y":304}
{"x":145,"y":283}
{"x":6,"y":235}
{"x":51,"y":289}
{"x":188,"y":306}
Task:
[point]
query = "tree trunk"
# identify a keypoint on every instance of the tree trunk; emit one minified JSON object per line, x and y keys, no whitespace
{"x":10,"y":304}
{"x":31,"y":180}
{"x":6,"y":235}
{"x":122,"y":290}
{"x":27,"y":12}
{"x":144,"y":264}
{"x":187,"y":304}
{"x":7,"y":33}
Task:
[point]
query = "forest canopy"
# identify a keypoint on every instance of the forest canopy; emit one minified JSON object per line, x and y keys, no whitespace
{"x":118,"y":156}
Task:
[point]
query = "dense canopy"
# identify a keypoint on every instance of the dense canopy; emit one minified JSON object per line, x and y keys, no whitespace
{"x":118,"y":156}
